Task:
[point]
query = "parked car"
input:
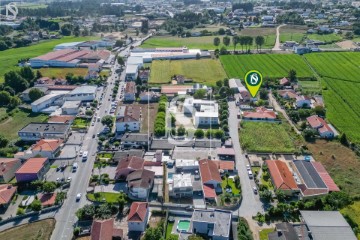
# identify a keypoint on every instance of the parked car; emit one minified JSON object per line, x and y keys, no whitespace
{"x":250,"y":174}
{"x":248,"y":167}
{"x":255,"y":190}
{"x":78,"y":197}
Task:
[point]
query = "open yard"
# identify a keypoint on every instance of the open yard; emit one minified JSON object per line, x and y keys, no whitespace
{"x":9,"y":58}
{"x":340,"y":76}
{"x":270,"y":65}
{"x":292,"y":33}
{"x":62,"y":72}
{"x":37,"y":230}
{"x":10,"y":126}
{"x":206,"y":71}
{"x":265,"y":137}
{"x":81,"y":123}
{"x":264,"y":233}
{"x":310,"y":86}
{"x":327,"y":38}
{"x":353,"y":211}
{"x":229,"y":182}
{"x":109,"y":197}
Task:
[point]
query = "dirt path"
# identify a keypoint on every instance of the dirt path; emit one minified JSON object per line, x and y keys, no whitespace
{"x":277,"y":42}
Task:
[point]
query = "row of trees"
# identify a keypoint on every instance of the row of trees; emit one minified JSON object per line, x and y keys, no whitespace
{"x":246,"y":41}
{"x":160,"y":119}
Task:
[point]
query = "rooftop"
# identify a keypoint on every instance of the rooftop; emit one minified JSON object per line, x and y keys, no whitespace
{"x":135,"y":137}
{"x":281,"y":175}
{"x":309,"y":174}
{"x":47,"y":145}
{"x":6,"y":193}
{"x":140,"y":179}
{"x":220,"y":218}
{"x":132,"y":113}
{"x":32,"y":165}
{"x":182,"y":180}
{"x":61,"y":119}
{"x":46,"y":127}
{"x":6,"y":164}
{"x":131,"y":69}
{"x":138,"y":212}
{"x":209,"y":171}
{"x":84,"y":90}
{"x":104,"y":230}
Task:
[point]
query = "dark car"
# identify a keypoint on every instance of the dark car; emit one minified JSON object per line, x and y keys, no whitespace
{"x":93,"y":136}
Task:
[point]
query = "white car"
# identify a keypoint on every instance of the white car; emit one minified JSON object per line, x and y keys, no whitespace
{"x":78,"y":197}
{"x":68,"y":179}
{"x":248,"y":167}
{"x":255,"y":190}
{"x":250,"y":174}
{"x":80,"y":153}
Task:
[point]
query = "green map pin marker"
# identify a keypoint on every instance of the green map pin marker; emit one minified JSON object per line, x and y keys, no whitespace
{"x":253,"y":80}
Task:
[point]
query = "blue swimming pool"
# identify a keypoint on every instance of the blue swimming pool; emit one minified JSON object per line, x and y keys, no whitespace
{"x":170,"y":175}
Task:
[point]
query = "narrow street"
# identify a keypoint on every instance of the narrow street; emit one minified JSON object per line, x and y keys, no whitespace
{"x":277,"y":41}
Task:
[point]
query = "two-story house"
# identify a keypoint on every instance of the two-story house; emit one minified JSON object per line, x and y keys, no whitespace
{"x":138,"y":216}
{"x":130,"y":90}
{"x":37,"y":131}
{"x":140,"y":183}
{"x":33,"y":169}
{"x":128,"y":119}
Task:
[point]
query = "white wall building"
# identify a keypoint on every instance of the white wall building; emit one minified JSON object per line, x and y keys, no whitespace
{"x":181,"y":185}
{"x":46,"y":101}
{"x":71,"y":107}
{"x":131,"y":72}
{"x":83,"y":94}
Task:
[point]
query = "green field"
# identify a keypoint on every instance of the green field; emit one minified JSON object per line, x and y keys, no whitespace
{"x":37,"y":230}
{"x":328,"y":38}
{"x":310,"y":86}
{"x":270,"y":65}
{"x":109,"y":197}
{"x":9,"y":58}
{"x":353,"y":211}
{"x":202,"y":71}
{"x":62,"y":72}
{"x":265,"y":137}
{"x":10,"y":126}
{"x":340,"y":73}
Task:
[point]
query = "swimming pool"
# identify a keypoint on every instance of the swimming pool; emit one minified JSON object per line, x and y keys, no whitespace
{"x":183,"y":225}
{"x":170,"y":175}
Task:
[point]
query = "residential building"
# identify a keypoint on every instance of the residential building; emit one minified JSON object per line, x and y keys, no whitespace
{"x":130,"y":90}
{"x":181,"y":185}
{"x":319,"y":124}
{"x":71,"y":107}
{"x":144,"y":75}
{"x":186,"y":165}
{"x":138,"y":216}
{"x":286,"y":231}
{"x":329,"y":225}
{"x":149,"y":97}
{"x":121,"y":154}
{"x":260,"y":114}
{"x":47,"y":199}
{"x":8,"y":167}
{"x":284,"y":82}
{"x":225,"y":153}
{"x":131,"y":72}
{"x":140,"y":183}
{"x":33,"y":169}
{"x":241,"y":93}
{"x":282,"y":177}
{"x":104,"y":229}
{"x":128,"y":119}
{"x":214,"y":223}
{"x":83,"y":94}
{"x":172,"y":90}
{"x":204,"y":112}
{"x":135,"y":140}
{"x":225,"y":166}
{"x":128,"y":165}
{"x":46,"y":148}
{"x":288,"y":94}
{"x":7,"y":191}
{"x":37,"y":131}
{"x":303,"y":101}
{"x":210,"y":178}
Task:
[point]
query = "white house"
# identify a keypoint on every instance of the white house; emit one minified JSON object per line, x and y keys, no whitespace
{"x":140,"y":183}
{"x":82,"y":93}
{"x":47,"y":101}
{"x":128,"y":119}
{"x":131,"y":72}
{"x":181,"y":185}
{"x":204,"y":112}
{"x":321,"y":126}
{"x":130,"y":89}
{"x":138,"y":216}
{"x":71,"y":107}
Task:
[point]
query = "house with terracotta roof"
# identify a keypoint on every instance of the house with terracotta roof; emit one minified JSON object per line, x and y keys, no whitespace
{"x":140,"y":183}
{"x":47,"y":148}
{"x":172,"y":90}
{"x":288,"y":94}
{"x":319,"y":124}
{"x":260,"y":114}
{"x":284,"y":81}
{"x":225,"y":152}
{"x":8,"y":167}
{"x":138,"y":216}
{"x":105,"y":230}
{"x":282,"y":177}
{"x":210,"y":177}
{"x":128,"y":119}
{"x":128,"y":165}
{"x":47,"y":199}
{"x":33,"y":169}
{"x":7,"y":191}
{"x":129,"y":93}
{"x":225,"y":166}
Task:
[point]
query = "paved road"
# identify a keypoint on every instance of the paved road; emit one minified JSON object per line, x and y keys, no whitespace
{"x":27,"y":220}
{"x":277,"y":42}
{"x":251,"y":203}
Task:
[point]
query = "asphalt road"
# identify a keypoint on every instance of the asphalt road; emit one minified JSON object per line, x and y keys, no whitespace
{"x":251,"y":203}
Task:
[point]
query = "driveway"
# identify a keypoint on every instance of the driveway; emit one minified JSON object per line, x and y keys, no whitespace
{"x":277,"y":41}
{"x":69,"y":152}
{"x":114,"y":188}
{"x":251,"y":203}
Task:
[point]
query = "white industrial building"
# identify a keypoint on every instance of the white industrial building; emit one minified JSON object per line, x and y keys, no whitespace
{"x":131,"y":72}
{"x":71,"y":107}
{"x":46,"y":101}
{"x":204,"y":112}
{"x":135,"y":61}
{"x":82,"y":93}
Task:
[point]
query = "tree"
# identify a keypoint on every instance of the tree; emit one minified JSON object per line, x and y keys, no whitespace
{"x":309,"y":134}
{"x":89,"y":112}
{"x":103,"y":211}
{"x":121,"y":61}
{"x":181,"y":130}
{"x":14,"y":102}
{"x":199,"y":133}
{"x":235,"y":41}
{"x":292,"y":75}
{"x":77,"y":31}
{"x":216,"y":41}
{"x":86,"y":213}
{"x":66,"y":29}
{"x":121,"y":202}
{"x":242,"y":41}
{"x":107,"y":120}
{"x":200,"y":94}
{"x":119,"y":43}
{"x":343,"y":140}
{"x":4,"y":98}
{"x":266,"y":195}
{"x":219,"y":83}
{"x":3,"y":46}
{"x":35,"y":205}
{"x":14,"y":80}
{"x":195,"y":237}
{"x":221,"y":31}
{"x":259,"y":41}
{"x":49,"y":187}
{"x":280,"y":195}
{"x":153,"y":233}
{"x":35,"y":94}
{"x":226,"y":41}
{"x":3,"y":141}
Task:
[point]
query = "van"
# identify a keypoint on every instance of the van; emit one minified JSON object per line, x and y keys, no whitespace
{"x":250,"y":174}
{"x":74,"y":167}
{"x":85,"y":156}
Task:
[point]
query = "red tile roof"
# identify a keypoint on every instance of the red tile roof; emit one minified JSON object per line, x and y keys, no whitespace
{"x":173,"y":89}
{"x":6,"y":164}
{"x":209,"y":191}
{"x":325,"y":177}
{"x":32,"y":165}
{"x":284,"y":81}
{"x":132,"y":114}
{"x":225,"y":165}
{"x":260,"y":113}
{"x":319,"y":123}
{"x":209,"y":171}
{"x":130,"y":87}
{"x":47,"y":199}
{"x":6,"y":193}
{"x":288,"y":94}
{"x":138,"y":211}
{"x":102,"y":229}
{"x":61,"y":119}
{"x":131,"y":162}
{"x":49,"y":145}
{"x":281,"y":175}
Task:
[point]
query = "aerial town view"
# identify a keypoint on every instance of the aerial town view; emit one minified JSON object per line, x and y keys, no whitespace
{"x":179,"y":119}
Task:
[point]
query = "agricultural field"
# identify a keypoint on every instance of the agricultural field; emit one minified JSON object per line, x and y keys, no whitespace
{"x":292,"y":33}
{"x":339,"y":73}
{"x":327,"y":38}
{"x":353,"y":211}
{"x":62,"y":72}
{"x":265,"y":137}
{"x":9,"y":58}
{"x":10,"y":126}
{"x":310,"y":86}
{"x":270,"y":65}
{"x":206,"y":71}
{"x":36,"y":230}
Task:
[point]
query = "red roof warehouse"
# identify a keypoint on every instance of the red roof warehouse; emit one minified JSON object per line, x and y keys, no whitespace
{"x":281,"y":176}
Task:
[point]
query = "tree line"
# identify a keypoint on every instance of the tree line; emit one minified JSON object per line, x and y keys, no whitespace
{"x":243,"y":41}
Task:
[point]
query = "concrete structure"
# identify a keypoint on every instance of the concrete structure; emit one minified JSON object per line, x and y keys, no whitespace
{"x":83,"y":94}
{"x":33,"y":169}
{"x":138,"y":216}
{"x":71,"y":107}
{"x":8,"y":167}
{"x":135,"y":140}
{"x":131,"y":72}
{"x":135,"y":61}
{"x":130,"y":90}
{"x":214,"y":223}
{"x":128,"y":119}
{"x":181,"y":185}
{"x":37,"y":131}
{"x":140,"y":183}
{"x":186,"y":164}
{"x":47,"y":101}
{"x":204,"y":112}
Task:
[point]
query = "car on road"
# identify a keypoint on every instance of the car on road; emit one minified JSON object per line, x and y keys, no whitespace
{"x":93,"y":136}
{"x":80,"y":153}
{"x":250,"y":174}
{"x":255,"y":190}
{"x":248,"y":167}
{"x":78,"y":197}
{"x":68,"y":179}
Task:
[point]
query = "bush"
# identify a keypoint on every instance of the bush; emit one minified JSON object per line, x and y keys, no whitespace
{"x":20,"y":211}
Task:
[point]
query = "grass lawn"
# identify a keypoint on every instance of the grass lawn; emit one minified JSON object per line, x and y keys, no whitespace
{"x":169,"y":229}
{"x":311,"y":86}
{"x":105,"y":155}
{"x":267,"y":183}
{"x":353,"y":211}
{"x":327,"y":38}
{"x":81,"y":122}
{"x":36,"y":230}
{"x":62,"y":72}
{"x":109,"y":197}
{"x":265,"y":137}
{"x":148,"y":114}
{"x":10,"y":57}
{"x":264,"y":233}
{"x":9,"y":127}
{"x":231,"y":183}
{"x":206,"y":71}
